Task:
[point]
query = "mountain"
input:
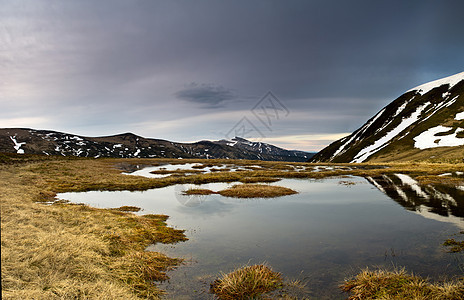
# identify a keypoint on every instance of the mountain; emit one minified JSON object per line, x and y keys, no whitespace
{"x":264,"y":149}
{"x":426,"y":122}
{"x":128,"y":145}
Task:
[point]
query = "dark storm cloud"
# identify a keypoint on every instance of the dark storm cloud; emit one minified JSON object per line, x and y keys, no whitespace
{"x":112,"y":60}
{"x":209,"y":95}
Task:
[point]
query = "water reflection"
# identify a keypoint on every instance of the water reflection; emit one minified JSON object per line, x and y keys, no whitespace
{"x":322,"y":235}
{"x":439,"y":202}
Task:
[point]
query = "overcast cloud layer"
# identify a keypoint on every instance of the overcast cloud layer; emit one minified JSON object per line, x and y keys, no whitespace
{"x":192,"y":70}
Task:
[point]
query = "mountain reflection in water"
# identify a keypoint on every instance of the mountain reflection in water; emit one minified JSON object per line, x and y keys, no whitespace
{"x":438,"y":202}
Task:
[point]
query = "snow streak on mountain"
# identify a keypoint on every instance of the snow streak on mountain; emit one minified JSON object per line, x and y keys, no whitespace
{"x":128,"y":145}
{"x":424,"y":122}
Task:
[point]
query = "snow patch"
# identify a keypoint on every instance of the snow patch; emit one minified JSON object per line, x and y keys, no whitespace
{"x":428,"y":138}
{"x":427,"y":87}
{"x":459,"y":116}
{"x":451,"y":102}
{"x":358,"y":134}
{"x":383,"y":141}
{"x":17,"y":145}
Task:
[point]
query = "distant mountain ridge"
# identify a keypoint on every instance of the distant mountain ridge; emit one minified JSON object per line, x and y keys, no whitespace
{"x":129,"y":145}
{"x":425,"y":122}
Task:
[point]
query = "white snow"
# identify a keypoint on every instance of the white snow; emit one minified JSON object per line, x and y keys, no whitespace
{"x":459,"y":116}
{"x":383,"y":141}
{"x":117,"y":146}
{"x":137,"y":153}
{"x":17,"y":145}
{"x":427,"y":139}
{"x":438,"y":107}
{"x":451,"y":102}
{"x":401,"y":108}
{"x":358,"y":134}
{"x":451,"y":80}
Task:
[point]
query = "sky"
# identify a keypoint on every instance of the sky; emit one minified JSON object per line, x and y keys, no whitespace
{"x":297,"y":74}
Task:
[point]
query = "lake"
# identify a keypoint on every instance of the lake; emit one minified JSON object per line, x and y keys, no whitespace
{"x":327,"y":232}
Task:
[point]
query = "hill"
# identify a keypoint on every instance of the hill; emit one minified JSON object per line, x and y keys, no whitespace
{"x":425,"y":123}
{"x":129,"y":145}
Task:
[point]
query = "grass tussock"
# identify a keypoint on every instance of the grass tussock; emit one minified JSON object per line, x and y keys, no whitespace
{"x":248,"y":282}
{"x":128,"y":208}
{"x":258,"y":179}
{"x":256,"y":191}
{"x":382,"y":284}
{"x":199,"y":192}
{"x":453,"y":245}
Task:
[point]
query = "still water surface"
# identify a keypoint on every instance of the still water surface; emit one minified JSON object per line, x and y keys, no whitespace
{"x":326,"y":233}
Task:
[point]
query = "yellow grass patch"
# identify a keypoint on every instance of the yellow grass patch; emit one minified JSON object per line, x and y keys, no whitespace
{"x":397,"y":284}
{"x":66,"y":251}
{"x":248,"y":282}
{"x":256,"y":191}
{"x":198,"y":192}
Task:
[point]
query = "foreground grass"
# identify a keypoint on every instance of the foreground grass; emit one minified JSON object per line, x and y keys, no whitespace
{"x":382,"y":284}
{"x":248,"y":282}
{"x":74,"y":251}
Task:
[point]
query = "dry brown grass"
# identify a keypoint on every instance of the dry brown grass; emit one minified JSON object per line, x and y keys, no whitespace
{"x":198,"y":192}
{"x":397,"y":284}
{"x":453,"y":245}
{"x":248,"y":282}
{"x":256,"y":191}
{"x":74,"y":251}
{"x":127,"y":208}
{"x":259,"y":179}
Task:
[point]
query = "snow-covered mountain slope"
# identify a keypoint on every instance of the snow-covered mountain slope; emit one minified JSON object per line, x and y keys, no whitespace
{"x":423,"y":123}
{"x":265,"y":149}
{"x":128,"y":145}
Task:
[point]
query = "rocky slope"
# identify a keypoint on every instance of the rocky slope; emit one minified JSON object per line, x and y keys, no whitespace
{"x":426,"y":122}
{"x":127,"y":145}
